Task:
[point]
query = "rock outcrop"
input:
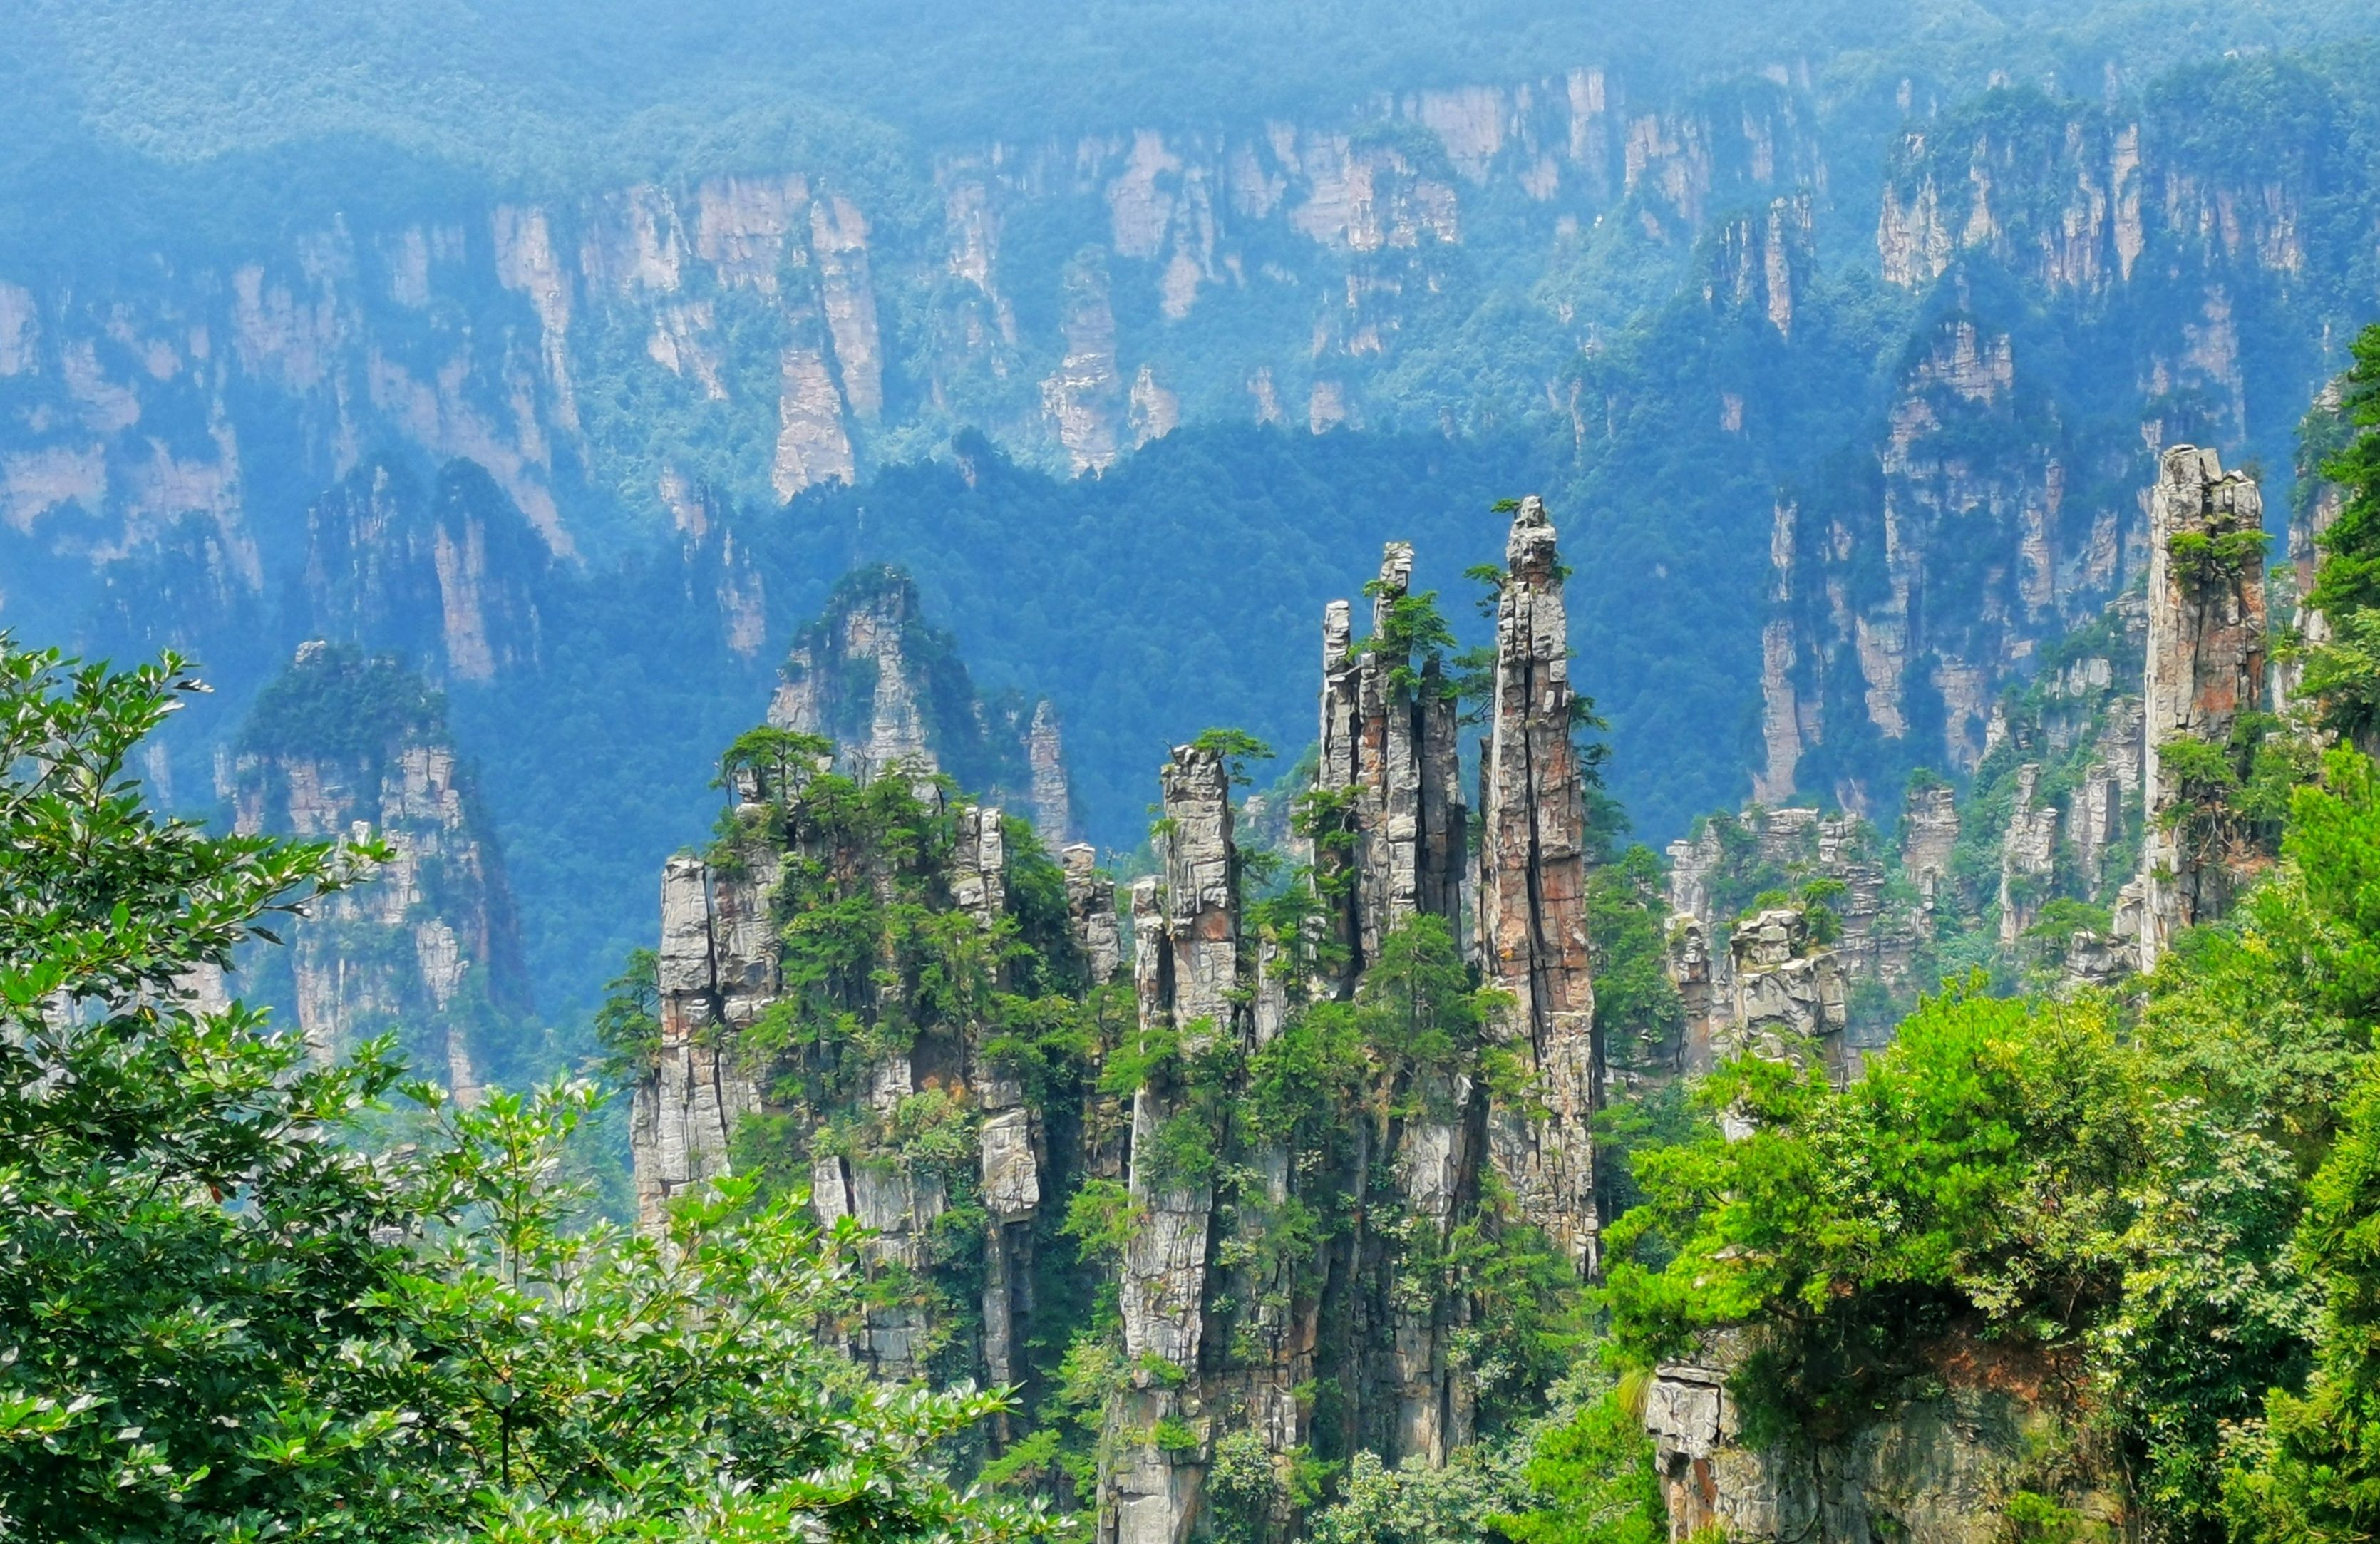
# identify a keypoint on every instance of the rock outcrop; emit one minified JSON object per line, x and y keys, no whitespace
{"x":1929,"y":834}
{"x":1731,"y":861}
{"x":2205,"y":667}
{"x":879,"y":1059}
{"x":344,"y":742}
{"x":1189,"y":979}
{"x":714,"y":973}
{"x":888,"y":689}
{"x":1531,"y":898}
{"x":2028,"y":857}
{"x":449,"y":576}
{"x":1938,"y":1465}
{"x":1390,"y":765}
{"x":1789,"y":991}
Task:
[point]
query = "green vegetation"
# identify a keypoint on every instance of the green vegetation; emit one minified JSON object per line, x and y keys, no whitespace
{"x":2159,"y":1210}
{"x":337,"y":701}
{"x":224,"y":1319}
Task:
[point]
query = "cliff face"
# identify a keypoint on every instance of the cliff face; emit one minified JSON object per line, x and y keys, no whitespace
{"x":644,"y":340}
{"x":1711,"y":298}
{"x":1938,"y":1466}
{"x":2095,"y":826}
{"x":2072,"y":850}
{"x":449,"y":574}
{"x":429,"y":945}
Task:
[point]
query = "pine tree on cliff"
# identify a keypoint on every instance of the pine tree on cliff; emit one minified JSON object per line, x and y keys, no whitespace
{"x":2343,"y":674}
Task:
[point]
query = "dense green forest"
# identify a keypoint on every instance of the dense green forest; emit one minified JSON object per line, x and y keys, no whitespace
{"x":626,"y":88}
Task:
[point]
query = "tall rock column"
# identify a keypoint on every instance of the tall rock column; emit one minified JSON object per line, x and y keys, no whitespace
{"x":430,"y":945}
{"x":1090,"y":907}
{"x":717,"y":966}
{"x":1389,"y":767}
{"x":1389,"y":750}
{"x":2205,"y":667}
{"x":1532,"y":897}
{"x":1187,"y":968}
{"x":1009,"y":1140}
{"x":2028,"y":857}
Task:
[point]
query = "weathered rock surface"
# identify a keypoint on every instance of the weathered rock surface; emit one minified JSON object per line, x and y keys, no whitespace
{"x":1389,"y":753}
{"x":1188,"y":972}
{"x":2206,"y":656}
{"x":2028,"y":857}
{"x":721,"y":971}
{"x":1730,"y":860}
{"x":430,"y":946}
{"x":1929,"y":833}
{"x":1936,"y":1467}
{"x":1789,"y":991}
{"x":1532,"y":900}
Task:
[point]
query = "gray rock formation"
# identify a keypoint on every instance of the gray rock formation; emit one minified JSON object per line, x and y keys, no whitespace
{"x":1053,"y":798}
{"x":1929,"y":831}
{"x":853,"y":678}
{"x":1531,"y":897}
{"x":716,"y":970}
{"x":872,"y":675}
{"x":1091,"y":908}
{"x":1188,"y":972}
{"x":1789,"y":991}
{"x":1706,"y":992}
{"x":1939,"y":1467}
{"x":2028,"y":857}
{"x":2205,"y":667}
{"x":346,"y":743}
{"x":1720,"y":867}
{"x":447,"y":575}
{"x":1389,"y":755}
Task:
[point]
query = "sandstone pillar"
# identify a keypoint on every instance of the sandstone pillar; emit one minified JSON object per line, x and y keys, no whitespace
{"x":1531,"y":898}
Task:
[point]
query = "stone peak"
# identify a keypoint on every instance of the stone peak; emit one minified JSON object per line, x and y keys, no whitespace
{"x":2186,"y":466}
{"x":1529,"y":551}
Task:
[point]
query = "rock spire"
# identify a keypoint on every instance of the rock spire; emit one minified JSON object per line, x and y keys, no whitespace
{"x":1532,"y":901}
{"x":1390,"y":762}
{"x":1186,"y":972}
{"x":2205,"y":667}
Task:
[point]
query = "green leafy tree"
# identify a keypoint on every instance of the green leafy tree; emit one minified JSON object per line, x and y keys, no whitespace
{"x":778,"y":762}
{"x":628,"y":1021}
{"x":2321,"y":1478}
{"x":1977,"y":1169}
{"x":222,"y":1318}
{"x":1593,"y":1478}
{"x":2343,"y":674}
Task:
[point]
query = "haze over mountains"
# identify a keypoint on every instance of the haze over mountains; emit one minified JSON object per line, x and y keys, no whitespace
{"x":1843,"y":336}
